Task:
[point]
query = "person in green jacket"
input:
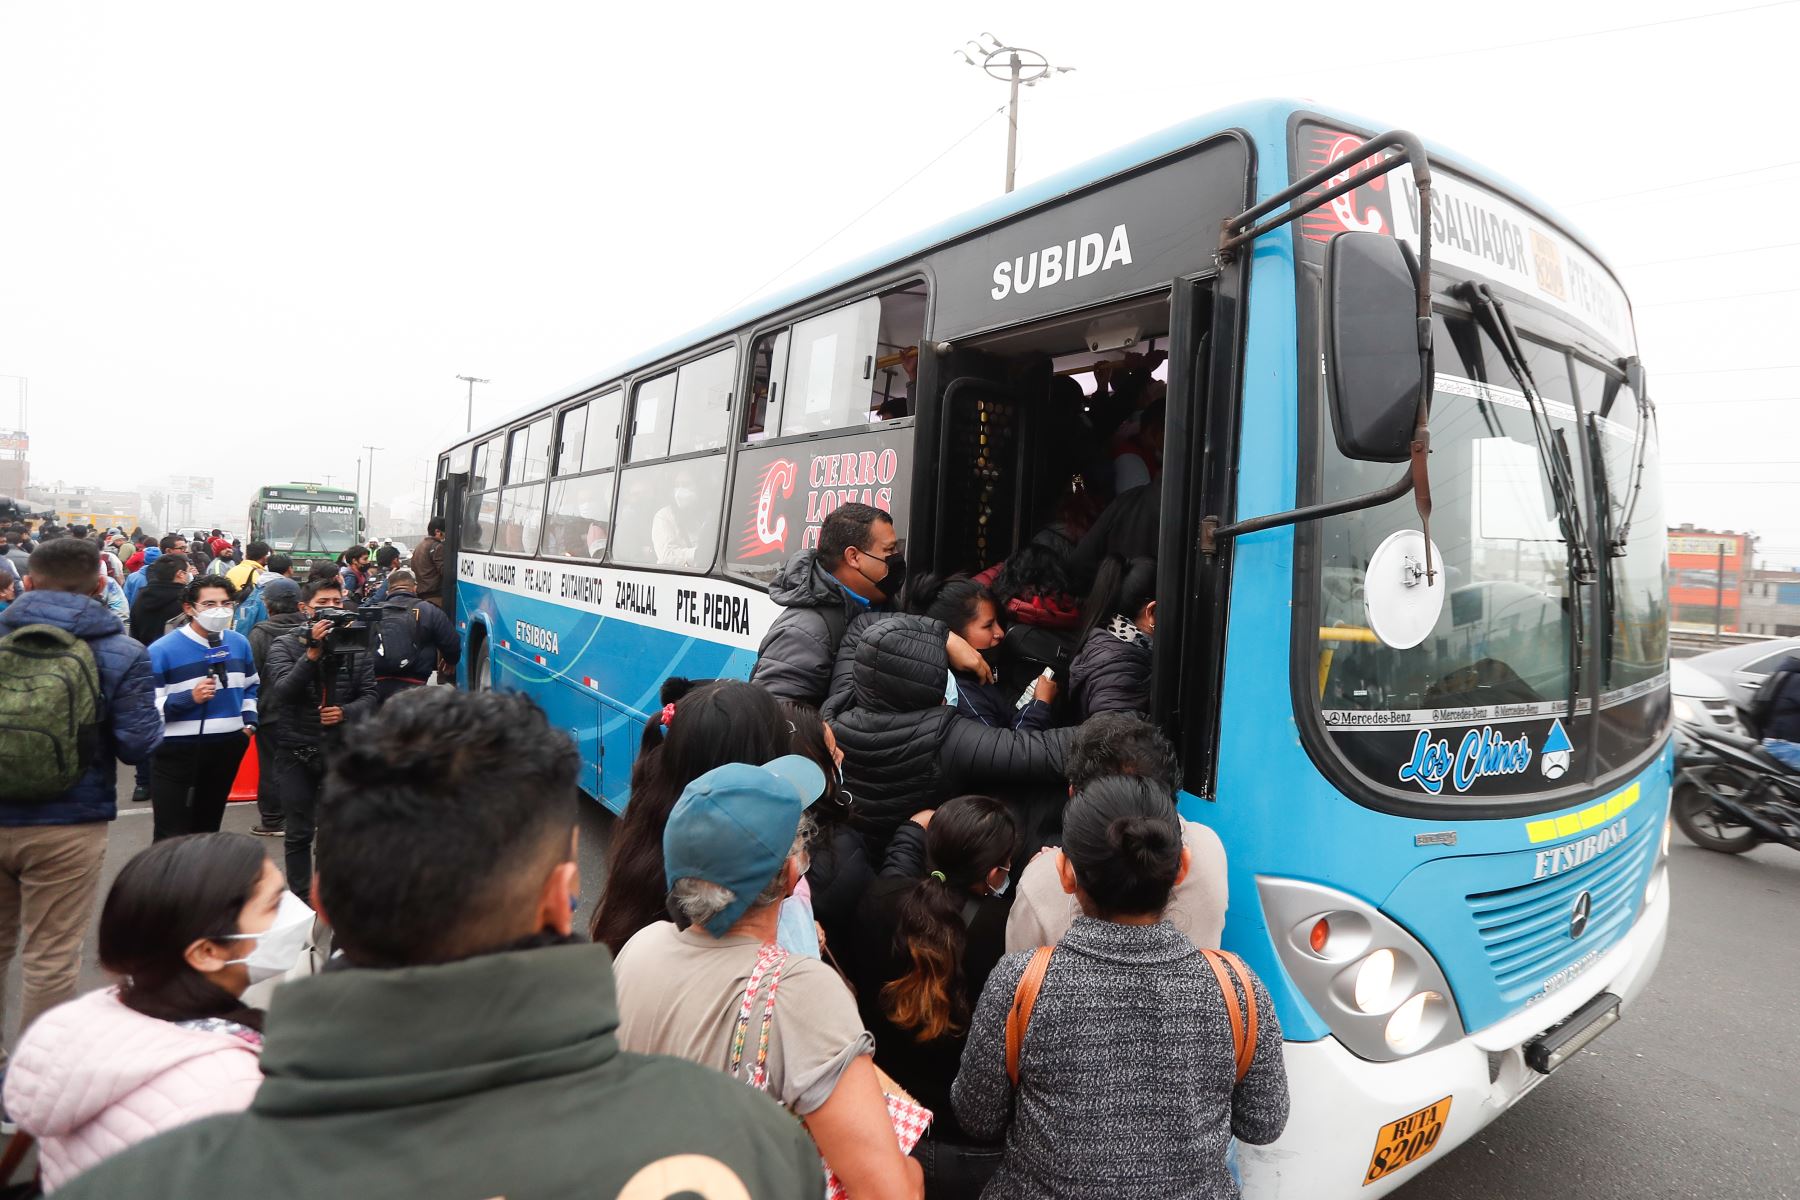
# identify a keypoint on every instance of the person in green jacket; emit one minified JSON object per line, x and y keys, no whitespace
{"x":463,"y":1045}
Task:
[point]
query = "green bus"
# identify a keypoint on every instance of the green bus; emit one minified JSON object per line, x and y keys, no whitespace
{"x":305,"y":520}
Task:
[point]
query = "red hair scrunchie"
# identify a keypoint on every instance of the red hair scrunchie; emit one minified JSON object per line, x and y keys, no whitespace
{"x":668,"y":715}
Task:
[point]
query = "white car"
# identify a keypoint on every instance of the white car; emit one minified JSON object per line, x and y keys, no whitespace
{"x":1699,"y":698}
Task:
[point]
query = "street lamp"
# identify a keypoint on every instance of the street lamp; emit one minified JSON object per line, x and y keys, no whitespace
{"x":1014,"y":65}
{"x":371,"y":493}
{"x":472,"y":381}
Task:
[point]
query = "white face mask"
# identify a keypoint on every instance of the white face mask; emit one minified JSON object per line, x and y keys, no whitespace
{"x":214,"y":620}
{"x":279,"y":946}
{"x":1004,"y":886}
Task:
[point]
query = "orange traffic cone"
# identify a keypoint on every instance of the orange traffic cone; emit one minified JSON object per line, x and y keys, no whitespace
{"x":244,"y":786}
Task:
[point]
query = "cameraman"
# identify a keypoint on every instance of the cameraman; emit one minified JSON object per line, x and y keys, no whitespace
{"x":314,"y":687}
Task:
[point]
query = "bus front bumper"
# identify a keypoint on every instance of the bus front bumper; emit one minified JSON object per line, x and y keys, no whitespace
{"x":1341,"y":1103}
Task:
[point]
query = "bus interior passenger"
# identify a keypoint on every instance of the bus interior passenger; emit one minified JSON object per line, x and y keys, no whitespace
{"x":1052,"y":441}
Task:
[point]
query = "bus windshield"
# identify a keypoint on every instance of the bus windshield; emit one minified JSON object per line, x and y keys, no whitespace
{"x":1516,"y":638}
{"x":324,"y":528}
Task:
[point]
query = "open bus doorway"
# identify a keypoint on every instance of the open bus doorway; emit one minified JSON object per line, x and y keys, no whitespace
{"x":1051,"y":439}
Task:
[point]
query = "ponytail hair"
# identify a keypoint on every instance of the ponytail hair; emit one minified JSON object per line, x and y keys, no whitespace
{"x":1121,"y":586}
{"x":967,"y":838}
{"x":954,"y":599}
{"x":1122,"y":837}
{"x":656,"y":729}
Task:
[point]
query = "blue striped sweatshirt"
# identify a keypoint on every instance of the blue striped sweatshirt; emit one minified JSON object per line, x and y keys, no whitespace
{"x":181,"y":659}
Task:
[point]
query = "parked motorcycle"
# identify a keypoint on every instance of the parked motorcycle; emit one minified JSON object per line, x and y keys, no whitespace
{"x":1731,"y":794}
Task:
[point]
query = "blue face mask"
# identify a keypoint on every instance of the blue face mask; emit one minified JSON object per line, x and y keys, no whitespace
{"x":950,"y":688}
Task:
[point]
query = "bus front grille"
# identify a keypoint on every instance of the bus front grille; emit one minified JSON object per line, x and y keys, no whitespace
{"x":1526,"y":930}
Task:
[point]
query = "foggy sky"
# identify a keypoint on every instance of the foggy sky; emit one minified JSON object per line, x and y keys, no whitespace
{"x":245,"y":240}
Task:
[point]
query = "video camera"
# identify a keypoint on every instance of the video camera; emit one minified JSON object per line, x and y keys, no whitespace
{"x":349,"y":633}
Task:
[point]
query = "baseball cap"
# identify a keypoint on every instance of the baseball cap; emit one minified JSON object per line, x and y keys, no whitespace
{"x":734,"y":826}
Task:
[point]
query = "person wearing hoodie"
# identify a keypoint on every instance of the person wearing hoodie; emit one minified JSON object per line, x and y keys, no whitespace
{"x":466,"y":1043}
{"x":906,"y":749}
{"x":51,"y":851}
{"x":161,"y":598}
{"x":188,"y":925}
{"x":280,"y":598}
{"x":1112,"y":671}
{"x":858,"y":567}
{"x":140,"y":577}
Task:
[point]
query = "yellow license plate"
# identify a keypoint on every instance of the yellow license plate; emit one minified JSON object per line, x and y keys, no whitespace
{"x":1407,"y":1140}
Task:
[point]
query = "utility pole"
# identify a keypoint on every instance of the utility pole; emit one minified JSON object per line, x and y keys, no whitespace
{"x":1014,"y":66}
{"x":1719,"y":598}
{"x":472,"y":381}
{"x":372,"y":450}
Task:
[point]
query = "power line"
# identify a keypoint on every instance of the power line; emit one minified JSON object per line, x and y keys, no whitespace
{"x":976,"y":128}
{"x":1726,"y":400}
{"x":1727,"y":296}
{"x":1731,"y":370}
{"x":1657,"y":262}
{"x":1666,"y":187}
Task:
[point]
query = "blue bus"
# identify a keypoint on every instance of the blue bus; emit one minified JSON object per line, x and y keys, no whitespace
{"x":1412,"y":634}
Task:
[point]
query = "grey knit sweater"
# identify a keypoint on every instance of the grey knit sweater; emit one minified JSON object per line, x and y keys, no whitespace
{"x":1126,"y":1073}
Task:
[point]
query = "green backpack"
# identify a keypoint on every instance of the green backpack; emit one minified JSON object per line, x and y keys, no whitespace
{"x":49,"y":712}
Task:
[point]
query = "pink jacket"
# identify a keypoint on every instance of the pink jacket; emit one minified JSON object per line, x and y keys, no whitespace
{"x":91,"y":1077}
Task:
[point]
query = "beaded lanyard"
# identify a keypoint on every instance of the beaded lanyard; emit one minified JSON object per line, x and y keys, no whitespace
{"x":768,"y":963}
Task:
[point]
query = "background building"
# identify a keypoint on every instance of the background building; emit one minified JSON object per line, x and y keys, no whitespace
{"x":1706,"y":570}
{"x":98,"y":507}
{"x":1771,"y":603}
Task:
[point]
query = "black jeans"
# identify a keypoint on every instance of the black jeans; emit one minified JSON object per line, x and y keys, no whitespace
{"x":386,"y":689}
{"x":190,"y":780}
{"x":954,"y":1171}
{"x":298,"y":771}
{"x":268,"y":788}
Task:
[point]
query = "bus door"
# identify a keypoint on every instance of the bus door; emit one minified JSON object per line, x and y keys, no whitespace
{"x":448,"y":503}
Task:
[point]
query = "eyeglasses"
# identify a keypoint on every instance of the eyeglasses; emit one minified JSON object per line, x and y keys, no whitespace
{"x":204,"y":605}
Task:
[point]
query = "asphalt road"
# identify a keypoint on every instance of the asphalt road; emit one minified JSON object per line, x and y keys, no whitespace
{"x":1695,"y":1094}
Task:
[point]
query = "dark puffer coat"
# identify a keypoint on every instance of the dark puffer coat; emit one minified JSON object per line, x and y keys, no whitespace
{"x":1110,"y":675}
{"x":905,"y":750}
{"x":794,"y":660}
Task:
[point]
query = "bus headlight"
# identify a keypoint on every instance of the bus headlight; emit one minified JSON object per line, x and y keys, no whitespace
{"x":1416,"y":1022}
{"x":1375,"y":986}
{"x":1374,"y":980}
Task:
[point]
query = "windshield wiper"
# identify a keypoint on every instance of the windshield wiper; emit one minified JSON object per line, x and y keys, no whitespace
{"x":1553,"y":448}
{"x":1603,"y":526}
{"x":1640,"y":451}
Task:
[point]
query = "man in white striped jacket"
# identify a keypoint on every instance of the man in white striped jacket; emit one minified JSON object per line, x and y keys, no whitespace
{"x":206,"y":687}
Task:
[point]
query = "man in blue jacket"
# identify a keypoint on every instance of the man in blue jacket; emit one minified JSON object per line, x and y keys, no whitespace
{"x":206,"y":687}
{"x":51,"y":850}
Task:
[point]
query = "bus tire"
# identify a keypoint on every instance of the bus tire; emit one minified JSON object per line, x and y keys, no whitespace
{"x":481,"y":678}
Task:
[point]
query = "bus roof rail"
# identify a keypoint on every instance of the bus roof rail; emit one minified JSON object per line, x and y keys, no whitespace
{"x":1244,"y":228}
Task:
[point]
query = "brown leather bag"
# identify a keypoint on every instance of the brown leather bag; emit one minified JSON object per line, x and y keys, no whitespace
{"x":1228,"y":969}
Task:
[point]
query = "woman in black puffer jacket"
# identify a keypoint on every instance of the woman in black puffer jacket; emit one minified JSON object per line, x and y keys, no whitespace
{"x":1111,"y":672}
{"x":905,"y":750}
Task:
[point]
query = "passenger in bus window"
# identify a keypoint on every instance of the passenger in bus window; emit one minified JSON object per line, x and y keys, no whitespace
{"x":1128,"y":1010}
{"x":680,"y":526}
{"x":1111,"y":673}
{"x":1123,"y":744}
{"x":970,"y":611}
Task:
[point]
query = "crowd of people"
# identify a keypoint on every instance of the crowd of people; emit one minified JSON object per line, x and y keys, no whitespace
{"x":932,"y":898}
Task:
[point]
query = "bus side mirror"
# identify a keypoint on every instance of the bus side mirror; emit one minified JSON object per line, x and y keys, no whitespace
{"x":1634,"y":376}
{"x":1373,"y":365}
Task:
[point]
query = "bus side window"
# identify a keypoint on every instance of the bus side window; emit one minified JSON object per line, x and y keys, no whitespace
{"x":570,"y":433}
{"x":601,"y":451}
{"x":668,"y":512}
{"x":768,"y":371}
{"x":480,"y":518}
{"x":651,"y":403}
{"x":578,"y":523}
